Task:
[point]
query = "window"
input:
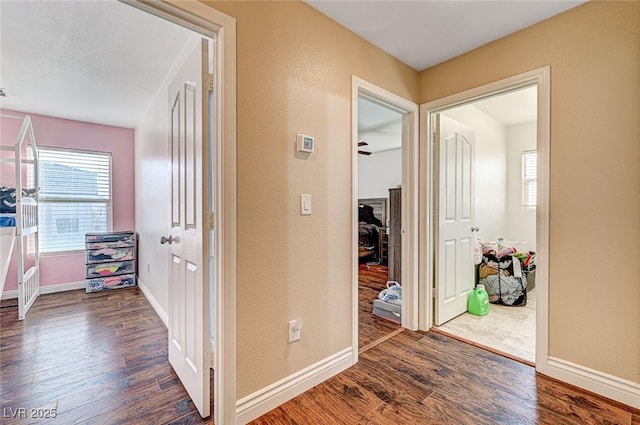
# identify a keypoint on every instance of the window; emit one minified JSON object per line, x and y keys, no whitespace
{"x":75,"y":197}
{"x":529,"y":179}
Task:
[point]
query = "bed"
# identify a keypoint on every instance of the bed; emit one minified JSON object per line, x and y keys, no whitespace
{"x":371,"y":219}
{"x":19,"y":213}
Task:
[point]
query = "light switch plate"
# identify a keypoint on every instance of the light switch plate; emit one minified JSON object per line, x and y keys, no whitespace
{"x":305,"y":204}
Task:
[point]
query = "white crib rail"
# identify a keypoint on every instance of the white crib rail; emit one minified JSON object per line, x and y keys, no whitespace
{"x":29,"y":215}
{"x":27,"y":218}
{"x":28,"y":291}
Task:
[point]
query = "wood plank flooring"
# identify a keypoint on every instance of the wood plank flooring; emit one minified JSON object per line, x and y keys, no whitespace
{"x":429,"y":378}
{"x":101,"y":359}
{"x":96,"y":358}
{"x":371,"y":280}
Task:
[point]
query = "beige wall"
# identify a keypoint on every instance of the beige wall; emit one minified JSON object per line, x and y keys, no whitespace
{"x":594,"y":282}
{"x":294,"y":73}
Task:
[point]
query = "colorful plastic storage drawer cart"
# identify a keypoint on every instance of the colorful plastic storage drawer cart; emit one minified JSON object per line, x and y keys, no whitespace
{"x":110,"y":259}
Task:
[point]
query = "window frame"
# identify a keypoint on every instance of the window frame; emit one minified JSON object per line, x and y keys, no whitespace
{"x":525,"y":181}
{"x":42,"y":200}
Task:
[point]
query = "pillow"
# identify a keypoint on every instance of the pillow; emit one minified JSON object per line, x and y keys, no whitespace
{"x":31,"y":193}
{"x":7,"y":200}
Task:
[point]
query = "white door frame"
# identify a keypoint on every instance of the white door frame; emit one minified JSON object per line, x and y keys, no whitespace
{"x":542,"y":78}
{"x":409,"y":217}
{"x":212,"y":23}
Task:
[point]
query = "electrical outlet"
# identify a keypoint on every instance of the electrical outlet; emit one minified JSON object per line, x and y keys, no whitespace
{"x":295,"y":328}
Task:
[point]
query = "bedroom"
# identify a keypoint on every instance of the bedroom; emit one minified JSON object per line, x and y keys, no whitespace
{"x":379,"y":221}
{"x":504,"y":219}
{"x":107,"y":100}
{"x":505,"y":135}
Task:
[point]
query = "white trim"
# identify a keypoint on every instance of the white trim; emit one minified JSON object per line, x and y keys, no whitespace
{"x":409,"y":217}
{"x":7,"y":241}
{"x":49,"y":289}
{"x":601,"y":383}
{"x":211,"y":22}
{"x":541,"y":78}
{"x":262,"y":401}
{"x":163,"y":315}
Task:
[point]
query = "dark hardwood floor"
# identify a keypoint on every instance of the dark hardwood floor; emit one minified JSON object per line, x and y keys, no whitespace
{"x":96,"y":358}
{"x":101,"y":359}
{"x":429,"y":378}
{"x":372,"y":329}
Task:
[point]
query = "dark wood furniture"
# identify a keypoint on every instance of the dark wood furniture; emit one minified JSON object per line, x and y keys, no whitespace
{"x":379,"y":206}
{"x":395,"y":234}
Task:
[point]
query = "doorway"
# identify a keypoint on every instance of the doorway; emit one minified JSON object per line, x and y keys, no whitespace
{"x":215,"y":25}
{"x":221,"y":183}
{"x":501,"y":130}
{"x":379,"y":221}
{"x":384,"y":193}
{"x":432,"y":203}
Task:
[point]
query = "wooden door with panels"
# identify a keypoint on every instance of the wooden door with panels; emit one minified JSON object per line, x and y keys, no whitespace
{"x":188,"y":239}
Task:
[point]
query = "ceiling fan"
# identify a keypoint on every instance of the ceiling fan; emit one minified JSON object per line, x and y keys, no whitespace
{"x":361,"y":152}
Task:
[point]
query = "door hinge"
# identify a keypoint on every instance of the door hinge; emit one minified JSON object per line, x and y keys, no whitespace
{"x":435,"y":215}
{"x":209,"y":220}
{"x":435,"y":293}
{"x":210,"y":83}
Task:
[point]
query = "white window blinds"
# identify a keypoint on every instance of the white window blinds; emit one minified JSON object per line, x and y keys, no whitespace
{"x":529,"y":179}
{"x":74,"y":197}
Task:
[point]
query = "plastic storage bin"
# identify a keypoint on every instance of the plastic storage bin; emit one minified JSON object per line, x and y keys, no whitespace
{"x":111,"y":282}
{"x":110,"y":260}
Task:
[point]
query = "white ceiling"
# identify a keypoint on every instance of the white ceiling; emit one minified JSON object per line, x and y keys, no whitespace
{"x":103,"y":61}
{"x":378,"y":126}
{"x":424,"y":33}
{"x":94,"y":61}
{"x":516,"y":107}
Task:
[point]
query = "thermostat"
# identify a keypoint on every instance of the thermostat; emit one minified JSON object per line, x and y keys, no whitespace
{"x":305,"y":144}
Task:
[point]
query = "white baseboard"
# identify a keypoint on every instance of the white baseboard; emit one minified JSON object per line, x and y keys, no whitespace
{"x":601,"y":383}
{"x":164,"y":316}
{"x":7,"y":295}
{"x":268,"y":398}
{"x":49,"y":289}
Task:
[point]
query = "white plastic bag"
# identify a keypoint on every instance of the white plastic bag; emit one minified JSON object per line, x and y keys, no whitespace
{"x":392,"y":294}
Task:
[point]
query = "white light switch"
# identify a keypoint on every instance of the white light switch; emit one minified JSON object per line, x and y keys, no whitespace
{"x":305,"y":204}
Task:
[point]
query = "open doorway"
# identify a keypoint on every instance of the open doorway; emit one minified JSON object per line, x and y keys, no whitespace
{"x":151,"y":164}
{"x":502,"y":133}
{"x":450,"y":269}
{"x":379,"y":221}
{"x":385,"y":199}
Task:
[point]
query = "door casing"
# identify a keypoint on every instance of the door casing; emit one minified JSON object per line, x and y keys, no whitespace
{"x":541,"y":78}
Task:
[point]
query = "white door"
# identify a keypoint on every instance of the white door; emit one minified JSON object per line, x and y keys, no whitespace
{"x":454,"y":253}
{"x":188,"y":238}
